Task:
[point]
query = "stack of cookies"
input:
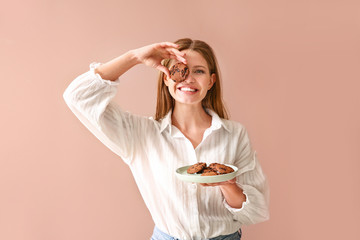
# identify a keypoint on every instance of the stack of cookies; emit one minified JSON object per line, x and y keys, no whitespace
{"x":211,"y":170}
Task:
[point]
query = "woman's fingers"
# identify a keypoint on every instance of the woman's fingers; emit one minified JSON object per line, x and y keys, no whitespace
{"x":168,"y":44}
{"x":232,"y":180}
{"x":177,"y":52}
{"x":179,"y":55}
{"x":169,"y":50}
{"x":153,"y":54}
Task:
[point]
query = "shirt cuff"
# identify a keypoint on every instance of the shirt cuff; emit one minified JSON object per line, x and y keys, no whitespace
{"x":235,"y":210}
{"x":93,"y":66}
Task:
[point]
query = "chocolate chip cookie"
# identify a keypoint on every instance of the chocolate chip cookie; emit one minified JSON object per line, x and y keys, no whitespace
{"x":179,"y":72}
{"x":196,"y":168}
{"x":209,"y":173}
{"x":223,"y":169}
{"x":213,"y":166}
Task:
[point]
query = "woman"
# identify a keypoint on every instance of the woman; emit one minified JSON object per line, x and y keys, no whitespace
{"x":190,"y":126}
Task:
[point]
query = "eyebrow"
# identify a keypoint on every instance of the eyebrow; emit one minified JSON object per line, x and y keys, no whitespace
{"x":199,"y":66}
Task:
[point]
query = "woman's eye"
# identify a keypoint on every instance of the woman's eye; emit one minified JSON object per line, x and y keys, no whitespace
{"x":199,"y":71}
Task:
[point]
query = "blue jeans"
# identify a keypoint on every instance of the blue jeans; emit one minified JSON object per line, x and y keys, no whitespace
{"x":159,"y":235}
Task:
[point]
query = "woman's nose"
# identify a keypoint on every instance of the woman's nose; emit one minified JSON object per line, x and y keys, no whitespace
{"x":189,"y":78}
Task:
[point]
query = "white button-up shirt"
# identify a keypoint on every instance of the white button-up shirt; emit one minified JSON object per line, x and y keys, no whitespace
{"x":155,"y":149}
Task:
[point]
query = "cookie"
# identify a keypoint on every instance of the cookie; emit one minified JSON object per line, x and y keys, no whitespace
{"x":196,"y":168}
{"x":179,"y":72}
{"x":209,"y":173}
{"x":223,"y":169}
{"x":213,"y":166}
{"x":207,"y":169}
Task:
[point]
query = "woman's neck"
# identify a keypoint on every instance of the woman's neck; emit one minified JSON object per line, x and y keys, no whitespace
{"x":190,"y":117}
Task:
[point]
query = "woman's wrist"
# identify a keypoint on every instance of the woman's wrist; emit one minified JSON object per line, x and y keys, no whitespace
{"x":133,"y":58}
{"x":233,"y":195}
{"x":113,"y":69}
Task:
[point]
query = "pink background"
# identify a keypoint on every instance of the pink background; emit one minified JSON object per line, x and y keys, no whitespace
{"x":290,"y":75}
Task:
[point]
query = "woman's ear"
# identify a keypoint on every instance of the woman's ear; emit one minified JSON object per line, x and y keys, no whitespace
{"x":212,"y":80}
{"x":166,"y":79}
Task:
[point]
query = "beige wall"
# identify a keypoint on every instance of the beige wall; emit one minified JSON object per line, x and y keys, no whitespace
{"x":290,"y":75}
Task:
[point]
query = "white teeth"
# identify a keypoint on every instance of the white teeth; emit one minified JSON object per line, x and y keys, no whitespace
{"x":187,"y":89}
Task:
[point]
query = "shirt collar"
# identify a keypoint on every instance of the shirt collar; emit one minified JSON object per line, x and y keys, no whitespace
{"x":216,"y":121}
{"x":166,"y":121}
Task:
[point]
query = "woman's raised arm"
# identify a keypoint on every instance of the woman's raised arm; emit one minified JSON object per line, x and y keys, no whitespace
{"x":150,"y":55}
{"x":90,"y":95}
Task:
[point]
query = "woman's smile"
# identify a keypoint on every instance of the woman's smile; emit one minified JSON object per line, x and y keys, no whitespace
{"x":187,"y":90}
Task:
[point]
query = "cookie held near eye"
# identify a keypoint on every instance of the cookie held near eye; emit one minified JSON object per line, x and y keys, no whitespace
{"x":179,"y":72}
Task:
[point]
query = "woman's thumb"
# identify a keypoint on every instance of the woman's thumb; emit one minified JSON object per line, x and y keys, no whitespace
{"x":164,"y":69}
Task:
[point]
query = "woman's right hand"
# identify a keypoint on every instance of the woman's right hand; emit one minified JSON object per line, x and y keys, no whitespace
{"x":152,"y":55}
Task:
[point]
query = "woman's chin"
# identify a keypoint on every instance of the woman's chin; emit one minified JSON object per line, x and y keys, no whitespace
{"x":188,"y":101}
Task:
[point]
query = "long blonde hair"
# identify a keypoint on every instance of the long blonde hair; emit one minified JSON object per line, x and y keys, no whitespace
{"x":213,"y":99}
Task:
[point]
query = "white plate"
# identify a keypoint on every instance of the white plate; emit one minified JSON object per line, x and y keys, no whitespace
{"x":182,"y":174}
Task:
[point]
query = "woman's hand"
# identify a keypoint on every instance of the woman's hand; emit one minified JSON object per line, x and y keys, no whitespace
{"x":232,"y":193}
{"x":152,"y":55}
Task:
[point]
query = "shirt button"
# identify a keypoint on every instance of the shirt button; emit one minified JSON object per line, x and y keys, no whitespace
{"x":194,"y":186}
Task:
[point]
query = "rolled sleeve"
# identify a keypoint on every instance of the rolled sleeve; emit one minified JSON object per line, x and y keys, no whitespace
{"x":253,"y":182}
{"x":235,"y":210}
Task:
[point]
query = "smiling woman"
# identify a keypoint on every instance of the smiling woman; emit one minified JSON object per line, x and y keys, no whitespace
{"x":190,"y":126}
{"x":203,"y":66}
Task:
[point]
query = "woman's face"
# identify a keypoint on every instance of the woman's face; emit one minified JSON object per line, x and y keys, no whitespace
{"x":194,"y":88}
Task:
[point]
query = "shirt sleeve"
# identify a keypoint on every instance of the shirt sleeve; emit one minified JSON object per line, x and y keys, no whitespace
{"x":252,"y":180}
{"x":90,"y":98}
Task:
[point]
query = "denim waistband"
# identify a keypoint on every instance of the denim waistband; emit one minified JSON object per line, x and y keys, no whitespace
{"x":160,"y":235}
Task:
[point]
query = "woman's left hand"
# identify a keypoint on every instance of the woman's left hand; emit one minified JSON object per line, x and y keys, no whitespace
{"x":232,"y":193}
